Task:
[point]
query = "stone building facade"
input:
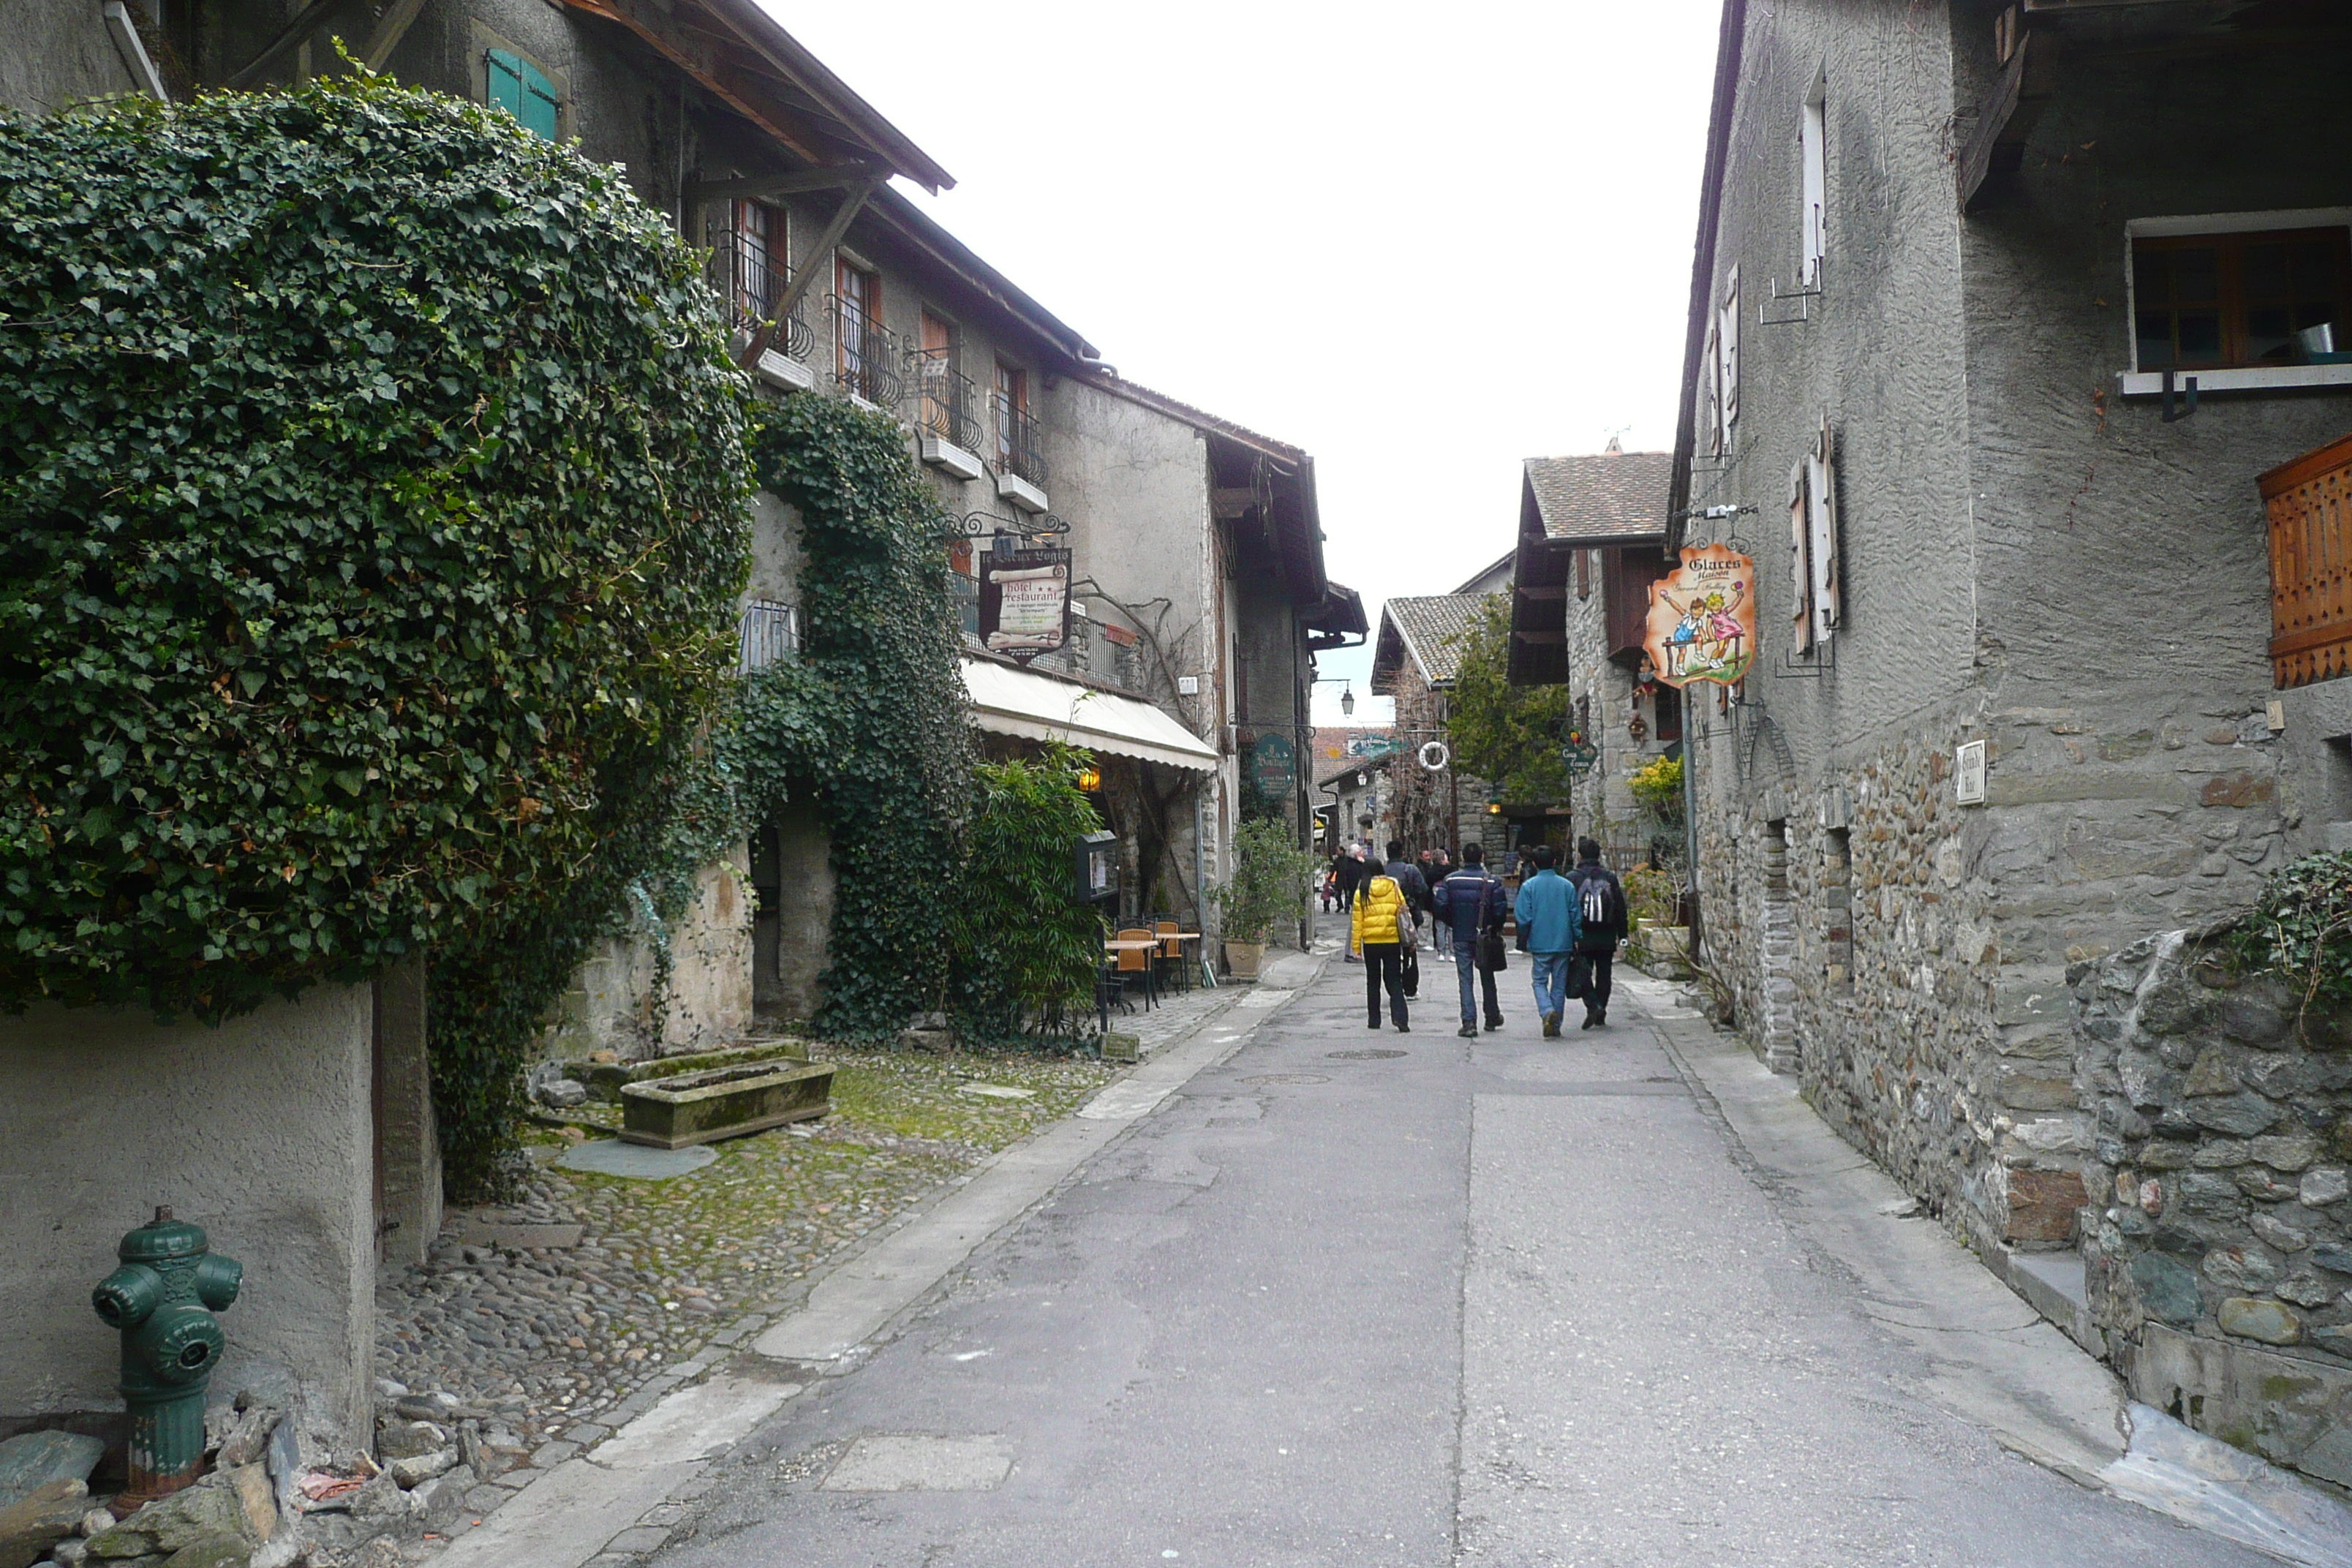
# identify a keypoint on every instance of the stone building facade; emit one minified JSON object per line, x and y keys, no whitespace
{"x":1414,"y":662}
{"x":1592,"y":539}
{"x":2014,"y":706}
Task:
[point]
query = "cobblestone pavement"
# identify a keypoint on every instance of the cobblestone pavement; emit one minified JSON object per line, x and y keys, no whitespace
{"x":541,"y":1351}
{"x":546,"y":1349}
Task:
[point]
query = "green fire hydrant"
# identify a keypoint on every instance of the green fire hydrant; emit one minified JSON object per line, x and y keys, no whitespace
{"x":162,"y":1299}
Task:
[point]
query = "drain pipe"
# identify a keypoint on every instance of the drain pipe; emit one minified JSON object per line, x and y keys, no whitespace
{"x":1201,"y":891}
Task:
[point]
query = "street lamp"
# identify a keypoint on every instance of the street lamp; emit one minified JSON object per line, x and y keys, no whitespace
{"x":1347,"y":701}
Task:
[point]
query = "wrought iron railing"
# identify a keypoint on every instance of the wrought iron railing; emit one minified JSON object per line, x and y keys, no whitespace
{"x":1092,"y":652}
{"x":753,"y":283}
{"x":949,"y":401}
{"x":768,"y":633}
{"x":966,"y":594}
{"x":866,"y":355}
{"x":1020,"y":443}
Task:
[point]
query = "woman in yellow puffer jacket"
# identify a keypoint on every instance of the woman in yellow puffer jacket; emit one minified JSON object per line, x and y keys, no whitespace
{"x":1374,"y":932}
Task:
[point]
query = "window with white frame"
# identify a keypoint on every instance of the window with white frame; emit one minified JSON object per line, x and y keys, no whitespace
{"x":2241,"y":300}
{"x":1813,"y":157}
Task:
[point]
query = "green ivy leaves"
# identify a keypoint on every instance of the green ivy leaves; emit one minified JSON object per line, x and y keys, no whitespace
{"x":372,"y":505}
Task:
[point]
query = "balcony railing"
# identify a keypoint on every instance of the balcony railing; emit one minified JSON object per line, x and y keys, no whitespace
{"x":2310,"y":506}
{"x":949,"y":401}
{"x":1091,"y":652}
{"x":751,"y":281}
{"x":1020,"y":444}
{"x":866,"y":355}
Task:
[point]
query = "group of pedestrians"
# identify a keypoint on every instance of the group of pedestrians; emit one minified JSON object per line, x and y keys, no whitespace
{"x":1568,"y":928}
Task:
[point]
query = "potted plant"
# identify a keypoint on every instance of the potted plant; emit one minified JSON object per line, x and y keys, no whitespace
{"x":1268,"y":885}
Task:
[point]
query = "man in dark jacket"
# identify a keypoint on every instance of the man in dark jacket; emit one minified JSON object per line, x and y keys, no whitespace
{"x":1471,"y":904}
{"x":1604,"y":900}
{"x":1350,"y":872}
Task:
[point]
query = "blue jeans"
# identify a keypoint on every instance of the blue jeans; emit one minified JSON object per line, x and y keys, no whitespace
{"x":1551,"y":982}
{"x":1466,"y":965}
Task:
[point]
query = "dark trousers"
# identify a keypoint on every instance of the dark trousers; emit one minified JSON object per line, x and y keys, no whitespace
{"x":1596,"y":1000}
{"x":1384,"y":965}
{"x":1466,"y":960}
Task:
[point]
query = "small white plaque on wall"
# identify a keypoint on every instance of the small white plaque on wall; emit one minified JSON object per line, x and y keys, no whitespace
{"x":1968,"y":774}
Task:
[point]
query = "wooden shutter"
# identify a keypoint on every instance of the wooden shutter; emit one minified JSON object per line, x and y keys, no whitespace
{"x":1800,"y":569}
{"x":1710,"y":390}
{"x":1584,"y":573}
{"x":1820,"y":482}
{"x":516,"y":86}
{"x":1727,"y":332}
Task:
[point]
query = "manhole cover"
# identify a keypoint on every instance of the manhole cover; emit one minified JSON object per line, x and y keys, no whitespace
{"x":1362,"y":1056}
{"x":1288,"y":1078}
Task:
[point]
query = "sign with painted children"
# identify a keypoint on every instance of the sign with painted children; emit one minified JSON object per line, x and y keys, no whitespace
{"x":1702,"y":623}
{"x":1024,"y":602}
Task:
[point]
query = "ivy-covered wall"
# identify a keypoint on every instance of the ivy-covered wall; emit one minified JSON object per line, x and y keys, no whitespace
{"x":370,"y":521}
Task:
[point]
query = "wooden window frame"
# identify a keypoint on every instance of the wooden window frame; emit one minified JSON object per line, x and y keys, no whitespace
{"x":867,"y":301}
{"x":2230,"y":302}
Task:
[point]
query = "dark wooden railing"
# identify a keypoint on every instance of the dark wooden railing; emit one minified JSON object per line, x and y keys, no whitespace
{"x":2310,"y":506}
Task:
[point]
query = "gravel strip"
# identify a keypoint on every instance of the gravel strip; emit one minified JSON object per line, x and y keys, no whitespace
{"x":555,"y":1347}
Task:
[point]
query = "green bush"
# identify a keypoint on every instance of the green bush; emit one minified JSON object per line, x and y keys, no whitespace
{"x":2301,"y":929}
{"x":1025,"y":953}
{"x":1269,"y":881}
{"x":371,"y":510}
{"x":1658,"y":786}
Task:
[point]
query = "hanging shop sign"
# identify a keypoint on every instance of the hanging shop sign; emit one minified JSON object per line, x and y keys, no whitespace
{"x":1581,"y":755}
{"x":1024,"y":602}
{"x":1702,"y":623}
{"x":1273,"y":764}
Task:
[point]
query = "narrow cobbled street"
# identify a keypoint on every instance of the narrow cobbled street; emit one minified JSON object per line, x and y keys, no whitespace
{"x":1351,"y":1297}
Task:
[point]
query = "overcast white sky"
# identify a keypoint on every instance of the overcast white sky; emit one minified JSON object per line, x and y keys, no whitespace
{"x":1421,"y":242}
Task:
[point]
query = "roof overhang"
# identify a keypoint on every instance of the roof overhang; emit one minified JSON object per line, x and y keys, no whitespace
{"x":738,"y":52}
{"x":1033,"y":706}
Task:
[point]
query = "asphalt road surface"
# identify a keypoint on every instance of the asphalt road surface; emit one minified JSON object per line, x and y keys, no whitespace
{"x":1509,"y":1301}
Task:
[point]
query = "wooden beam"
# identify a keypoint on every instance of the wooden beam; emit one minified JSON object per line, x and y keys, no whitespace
{"x":699,"y":61}
{"x":1997,"y":146}
{"x":806,"y":274}
{"x":1233,"y":500}
{"x":389,"y":28}
{"x":829,"y":177}
{"x":1541,"y":634}
{"x":292,"y":34}
{"x":1541,"y":590}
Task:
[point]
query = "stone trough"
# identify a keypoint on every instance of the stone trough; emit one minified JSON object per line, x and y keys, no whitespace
{"x":605,"y":1080}
{"x":723,"y":1102}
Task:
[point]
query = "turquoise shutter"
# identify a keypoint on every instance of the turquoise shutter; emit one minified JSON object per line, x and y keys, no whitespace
{"x":516,"y":87}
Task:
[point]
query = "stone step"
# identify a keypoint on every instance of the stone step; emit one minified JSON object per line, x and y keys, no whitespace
{"x":2052,"y":1284}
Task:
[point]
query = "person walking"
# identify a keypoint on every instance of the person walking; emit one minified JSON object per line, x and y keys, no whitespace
{"x":1549,"y":917}
{"x":1415,"y":887}
{"x":1469,"y":904}
{"x":1348,"y":871}
{"x":1600,"y":908}
{"x":1376,"y":931}
{"x":1426,"y":864}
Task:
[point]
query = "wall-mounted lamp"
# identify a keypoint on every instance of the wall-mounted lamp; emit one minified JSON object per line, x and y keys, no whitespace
{"x":1089,"y":780}
{"x":1494,"y":808}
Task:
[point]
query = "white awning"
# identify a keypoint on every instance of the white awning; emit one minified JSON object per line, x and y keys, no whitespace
{"x":1037,"y":707}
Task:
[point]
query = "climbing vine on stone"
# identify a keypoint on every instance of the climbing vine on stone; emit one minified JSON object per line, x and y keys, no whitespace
{"x":868,"y":723}
{"x":372,"y":505}
{"x":2301,"y":928}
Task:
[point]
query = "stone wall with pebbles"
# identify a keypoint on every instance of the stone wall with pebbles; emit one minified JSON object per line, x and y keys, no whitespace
{"x":2218,"y":1241}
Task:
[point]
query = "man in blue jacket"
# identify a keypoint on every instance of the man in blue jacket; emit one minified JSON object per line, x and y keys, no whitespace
{"x":1469,"y":903}
{"x":1549,"y":921}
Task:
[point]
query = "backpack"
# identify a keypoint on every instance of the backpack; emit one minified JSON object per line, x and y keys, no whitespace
{"x":1603,"y":906}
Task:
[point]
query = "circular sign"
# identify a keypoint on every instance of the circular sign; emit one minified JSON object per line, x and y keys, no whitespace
{"x":1436,"y":755}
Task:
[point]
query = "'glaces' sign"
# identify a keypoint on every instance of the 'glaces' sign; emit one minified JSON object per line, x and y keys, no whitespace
{"x":1702,"y":623}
